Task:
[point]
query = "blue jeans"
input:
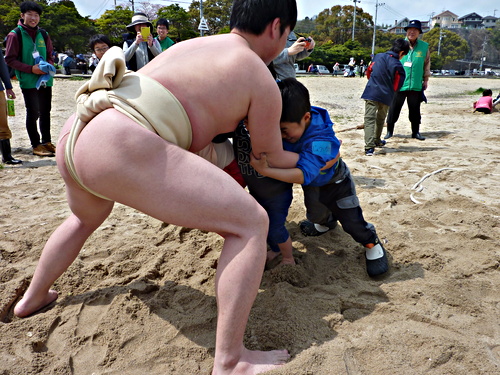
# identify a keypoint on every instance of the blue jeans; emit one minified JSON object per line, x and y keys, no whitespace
{"x":277,"y":209}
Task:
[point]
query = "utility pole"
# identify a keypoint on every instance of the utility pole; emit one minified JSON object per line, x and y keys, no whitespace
{"x":201,"y":15}
{"x":375,"y":25}
{"x":354,"y":18}
{"x":482,"y":55}
{"x":441,"y":36}
{"x":131,"y":1}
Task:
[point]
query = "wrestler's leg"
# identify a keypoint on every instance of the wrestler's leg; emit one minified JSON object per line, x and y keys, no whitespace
{"x":178,"y":187}
{"x":63,"y":246}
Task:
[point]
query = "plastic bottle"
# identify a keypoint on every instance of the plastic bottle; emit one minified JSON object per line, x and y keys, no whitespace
{"x":11,"y":111}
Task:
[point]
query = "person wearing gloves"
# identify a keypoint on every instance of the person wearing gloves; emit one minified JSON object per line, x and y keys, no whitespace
{"x":296,"y":49}
{"x":140,"y":49}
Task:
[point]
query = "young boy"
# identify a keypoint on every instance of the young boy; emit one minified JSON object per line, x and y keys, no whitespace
{"x":308,"y":131}
{"x":385,"y":76}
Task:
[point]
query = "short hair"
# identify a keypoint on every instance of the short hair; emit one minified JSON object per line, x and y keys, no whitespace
{"x":295,"y":100}
{"x":163,"y":22}
{"x":401,"y":45}
{"x":99,"y":38}
{"x":253,"y":16}
{"x":26,"y":6}
{"x":487,"y":92}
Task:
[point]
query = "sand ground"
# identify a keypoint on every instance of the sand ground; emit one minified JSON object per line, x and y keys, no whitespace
{"x":140,"y":297}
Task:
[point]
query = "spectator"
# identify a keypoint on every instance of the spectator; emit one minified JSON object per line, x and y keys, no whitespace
{"x":27,"y":45}
{"x":98,"y":44}
{"x":5,"y":133}
{"x":81,"y":63}
{"x":140,"y":49}
{"x":296,"y":49}
{"x":385,"y":77}
{"x":417,"y":65}
{"x":162,"y":30}
{"x":68,"y":63}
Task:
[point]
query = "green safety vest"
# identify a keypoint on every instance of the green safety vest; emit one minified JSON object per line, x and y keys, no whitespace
{"x":29,"y":80}
{"x":415,"y":72}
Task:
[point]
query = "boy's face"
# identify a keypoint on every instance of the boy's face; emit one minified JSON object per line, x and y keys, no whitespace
{"x":31,"y":18}
{"x":292,"y":131}
{"x":100,"y":49}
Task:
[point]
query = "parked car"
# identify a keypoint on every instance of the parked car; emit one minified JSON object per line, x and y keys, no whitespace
{"x":322,"y":69}
{"x":297,"y":70}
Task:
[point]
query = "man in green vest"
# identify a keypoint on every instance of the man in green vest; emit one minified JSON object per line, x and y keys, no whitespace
{"x":25,"y":46}
{"x":417,"y":66}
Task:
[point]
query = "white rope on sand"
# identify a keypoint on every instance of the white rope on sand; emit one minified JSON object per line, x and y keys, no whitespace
{"x":419,"y":188}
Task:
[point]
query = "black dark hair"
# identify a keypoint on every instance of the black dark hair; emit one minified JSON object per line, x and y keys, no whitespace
{"x":401,"y":45}
{"x":253,"y":16}
{"x":99,"y":38}
{"x":163,"y":22}
{"x":487,"y":92}
{"x":295,"y":99}
{"x":26,"y":6}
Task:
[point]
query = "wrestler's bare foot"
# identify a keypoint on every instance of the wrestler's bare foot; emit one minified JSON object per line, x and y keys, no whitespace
{"x":255,"y":362}
{"x":26,"y":306}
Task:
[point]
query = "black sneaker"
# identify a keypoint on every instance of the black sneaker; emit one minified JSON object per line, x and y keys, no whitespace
{"x":380,"y":143}
{"x":369,"y":152}
{"x":376,"y":267}
{"x":309,"y":230}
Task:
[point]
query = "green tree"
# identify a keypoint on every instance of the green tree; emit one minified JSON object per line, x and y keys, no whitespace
{"x":180,"y":22}
{"x":113,"y":23}
{"x":453,"y":46}
{"x":216,"y":12}
{"x":67,"y":29}
{"x":335,"y":24}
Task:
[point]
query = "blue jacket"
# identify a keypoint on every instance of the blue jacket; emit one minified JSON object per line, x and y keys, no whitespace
{"x":386,"y":75}
{"x":317,"y":145}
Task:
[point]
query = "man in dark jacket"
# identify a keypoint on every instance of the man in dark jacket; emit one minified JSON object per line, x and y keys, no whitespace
{"x":385,"y":77}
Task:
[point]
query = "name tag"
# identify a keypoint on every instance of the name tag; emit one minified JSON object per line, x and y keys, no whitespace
{"x":408,"y":64}
{"x":321,"y":148}
{"x":35,"y":54}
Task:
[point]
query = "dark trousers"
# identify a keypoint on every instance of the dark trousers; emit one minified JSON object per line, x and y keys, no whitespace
{"x":413,"y":98}
{"x":340,"y":198}
{"x":38,"y":105}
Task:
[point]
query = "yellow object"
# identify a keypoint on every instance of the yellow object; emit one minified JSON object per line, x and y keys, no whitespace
{"x":145,"y":31}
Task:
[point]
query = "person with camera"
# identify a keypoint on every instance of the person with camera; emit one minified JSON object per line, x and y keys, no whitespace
{"x":296,"y":49}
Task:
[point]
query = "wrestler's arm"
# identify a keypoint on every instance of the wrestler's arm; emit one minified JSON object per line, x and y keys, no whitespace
{"x":263,"y":125}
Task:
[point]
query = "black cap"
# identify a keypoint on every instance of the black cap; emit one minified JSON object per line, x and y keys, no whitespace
{"x":416,"y":24}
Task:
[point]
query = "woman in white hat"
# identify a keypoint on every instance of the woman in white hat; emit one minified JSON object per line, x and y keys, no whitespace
{"x":141,"y":49}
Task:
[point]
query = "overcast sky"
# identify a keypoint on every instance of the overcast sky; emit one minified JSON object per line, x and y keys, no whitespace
{"x":387,"y":14}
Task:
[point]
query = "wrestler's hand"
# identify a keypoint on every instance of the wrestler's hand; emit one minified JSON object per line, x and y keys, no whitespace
{"x":331,"y":163}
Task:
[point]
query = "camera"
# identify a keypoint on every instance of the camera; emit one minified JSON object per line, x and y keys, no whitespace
{"x":308,"y":43}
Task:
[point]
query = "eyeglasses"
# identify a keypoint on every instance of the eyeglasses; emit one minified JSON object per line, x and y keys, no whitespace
{"x":161,"y":28}
{"x":103,"y":49}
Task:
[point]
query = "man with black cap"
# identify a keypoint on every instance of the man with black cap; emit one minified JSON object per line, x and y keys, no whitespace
{"x":140,"y":49}
{"x":417,"y":65}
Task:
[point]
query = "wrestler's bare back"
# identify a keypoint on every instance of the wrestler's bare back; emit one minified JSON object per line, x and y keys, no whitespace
{"x":219,"y":80}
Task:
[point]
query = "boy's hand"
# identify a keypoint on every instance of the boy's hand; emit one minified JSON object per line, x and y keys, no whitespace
{"x":260,"y":165}
{"x":35,"y":69}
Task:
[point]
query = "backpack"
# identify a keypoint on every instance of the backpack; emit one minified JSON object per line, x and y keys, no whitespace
{"x":17,"y":31}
